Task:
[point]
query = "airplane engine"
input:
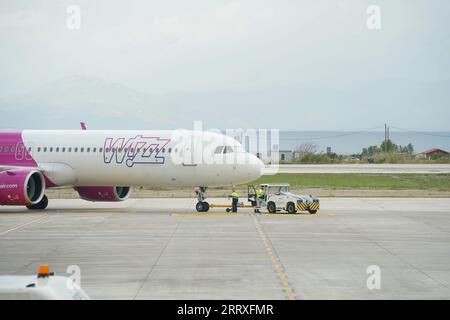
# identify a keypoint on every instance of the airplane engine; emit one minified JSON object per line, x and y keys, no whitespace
{"x":104,"y":194}
{"x":21,"y":187}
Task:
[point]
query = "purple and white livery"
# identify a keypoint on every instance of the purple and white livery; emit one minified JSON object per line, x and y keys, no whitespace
{"x":104,"y":165}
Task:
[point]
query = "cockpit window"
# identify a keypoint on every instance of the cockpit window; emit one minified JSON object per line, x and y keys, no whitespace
{"x":219,"y":150}
{"x":228,"y":149}
{"x":224,"y":149}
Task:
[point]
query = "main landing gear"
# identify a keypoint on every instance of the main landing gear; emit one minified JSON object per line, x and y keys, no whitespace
{"x":202,"y":205}
{"x":41,"y":205}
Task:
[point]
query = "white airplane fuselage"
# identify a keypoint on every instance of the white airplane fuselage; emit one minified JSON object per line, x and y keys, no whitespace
{"x":160,"y":158}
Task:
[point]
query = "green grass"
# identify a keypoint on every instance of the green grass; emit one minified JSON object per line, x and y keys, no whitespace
{"x":439,"y":182}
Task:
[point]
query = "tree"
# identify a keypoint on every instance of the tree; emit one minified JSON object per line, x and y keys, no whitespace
{"x":388,"y":146}
{"x":370,"y":151}
{"x":410,"y":148}
{"x":307,"y":147}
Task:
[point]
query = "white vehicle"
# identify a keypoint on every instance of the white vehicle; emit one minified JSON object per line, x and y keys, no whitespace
{"x":278,"y":198}
{"x":44,"y":286}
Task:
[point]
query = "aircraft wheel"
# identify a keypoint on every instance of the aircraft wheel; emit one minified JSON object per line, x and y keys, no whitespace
{"x":41,"y":205}
{"x":312,"y":211}
{"x":200,"y":207}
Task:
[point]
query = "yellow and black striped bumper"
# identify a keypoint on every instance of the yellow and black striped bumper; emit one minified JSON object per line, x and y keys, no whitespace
{"x":305,"y":206}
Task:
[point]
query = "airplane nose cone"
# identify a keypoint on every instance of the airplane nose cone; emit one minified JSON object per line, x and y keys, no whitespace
{"x":256,"y":167}
{"x":244,"y":168}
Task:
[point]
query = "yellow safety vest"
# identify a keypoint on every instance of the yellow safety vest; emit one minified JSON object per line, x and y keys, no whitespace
{"x":259,"y":193}
{"x":234,"y":195}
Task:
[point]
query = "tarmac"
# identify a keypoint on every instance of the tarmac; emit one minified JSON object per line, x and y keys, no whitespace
{"x":162,"y":249}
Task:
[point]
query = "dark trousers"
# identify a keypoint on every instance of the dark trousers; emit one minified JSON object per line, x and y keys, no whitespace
{"x":234,"y":204}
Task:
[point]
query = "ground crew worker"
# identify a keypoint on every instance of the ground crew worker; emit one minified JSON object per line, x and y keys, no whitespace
{"x":260,"y":193}
{"x":259,"y":198}
{"x":234,"y":200}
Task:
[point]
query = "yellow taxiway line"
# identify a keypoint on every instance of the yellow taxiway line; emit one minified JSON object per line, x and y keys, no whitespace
{"x":197,"y":214}
{"x":228,"y":206}
{"x":224,"y":214}
{"x":329,"y":214}
{"x":276,"y":264}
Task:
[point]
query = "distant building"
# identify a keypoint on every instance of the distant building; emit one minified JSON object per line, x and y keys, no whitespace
{"x":286,"y":156}
{"x":297,"y":155}
{"x":434,"y":152}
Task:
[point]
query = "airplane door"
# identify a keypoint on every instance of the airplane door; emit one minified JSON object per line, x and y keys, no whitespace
{"x":24,"y":152}
{"x":191,"y":150}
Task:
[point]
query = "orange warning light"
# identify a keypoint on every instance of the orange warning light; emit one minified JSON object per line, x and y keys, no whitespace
{"x":43,"y":270}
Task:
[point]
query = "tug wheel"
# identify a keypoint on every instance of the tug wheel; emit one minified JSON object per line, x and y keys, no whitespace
{"x":271,"y":207}
{"x":290,"y":208}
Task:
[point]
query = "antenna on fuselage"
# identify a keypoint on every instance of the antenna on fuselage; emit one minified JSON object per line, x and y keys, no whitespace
{"x":83,"y":126}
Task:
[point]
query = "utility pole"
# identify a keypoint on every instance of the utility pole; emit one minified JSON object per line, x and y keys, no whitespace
{"x":385,"y":137}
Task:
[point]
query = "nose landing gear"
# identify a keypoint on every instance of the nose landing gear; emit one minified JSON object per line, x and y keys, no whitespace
{"x":202,"y":205}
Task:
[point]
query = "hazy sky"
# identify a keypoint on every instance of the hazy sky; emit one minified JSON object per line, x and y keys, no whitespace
{"x":399,"y":73}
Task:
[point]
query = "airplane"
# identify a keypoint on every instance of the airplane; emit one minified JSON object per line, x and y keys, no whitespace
{"x":104,"y":165}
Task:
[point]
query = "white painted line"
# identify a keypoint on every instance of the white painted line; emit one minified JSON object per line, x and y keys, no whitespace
{"x":24,"y":225}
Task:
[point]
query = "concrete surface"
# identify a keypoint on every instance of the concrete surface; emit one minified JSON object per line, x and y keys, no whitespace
{"x":364,"y":168}
{"x":161,"y":249}
{"x":70,"y":193}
